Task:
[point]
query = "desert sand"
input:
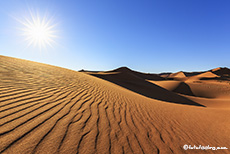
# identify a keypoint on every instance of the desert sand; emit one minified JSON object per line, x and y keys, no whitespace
{"x":49,"y":109}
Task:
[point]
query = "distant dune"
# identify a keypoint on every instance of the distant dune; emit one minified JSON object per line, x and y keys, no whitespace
{"x":221,"y":71}
{"x":48,"y":109}
{"x":177,"y":75}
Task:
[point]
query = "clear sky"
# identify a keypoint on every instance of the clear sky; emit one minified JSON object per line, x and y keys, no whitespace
{"x":145,"y":35}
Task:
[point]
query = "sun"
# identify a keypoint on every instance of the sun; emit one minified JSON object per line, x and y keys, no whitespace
{"x":38,"y":30}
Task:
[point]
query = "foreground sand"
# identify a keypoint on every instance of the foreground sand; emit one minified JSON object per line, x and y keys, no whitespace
{"x":47,"y":109}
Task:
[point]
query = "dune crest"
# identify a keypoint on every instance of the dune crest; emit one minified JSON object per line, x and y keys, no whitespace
{"x":177,"y":75}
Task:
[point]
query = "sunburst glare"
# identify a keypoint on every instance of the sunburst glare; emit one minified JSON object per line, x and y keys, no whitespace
{"x":38,"y":30}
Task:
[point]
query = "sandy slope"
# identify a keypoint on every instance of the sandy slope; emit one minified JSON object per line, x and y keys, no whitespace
{"x":47,"y":109}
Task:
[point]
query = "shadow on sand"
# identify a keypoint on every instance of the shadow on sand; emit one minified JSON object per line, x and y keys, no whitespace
{"x":139,"y":85}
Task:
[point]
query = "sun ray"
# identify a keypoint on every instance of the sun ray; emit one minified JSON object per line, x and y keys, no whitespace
{"x":38,"y":30}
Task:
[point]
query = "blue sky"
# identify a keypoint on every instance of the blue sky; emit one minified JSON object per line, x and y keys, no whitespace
{"x":147,"y":35}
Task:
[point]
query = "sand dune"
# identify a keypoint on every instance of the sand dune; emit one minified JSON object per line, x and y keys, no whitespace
{"x":175,"y":86}
{"x":207,"y":75}
{"x":169,"y":85}
{"x":177,"y":75}
{"x":221,"y":71}
{"x":146,"y":76}
{"x":204,"y":76}
{"x":210,"y":89}
{"x":204,"y":85}
{"x":131,"y":80}
{"x":48,"y":109}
